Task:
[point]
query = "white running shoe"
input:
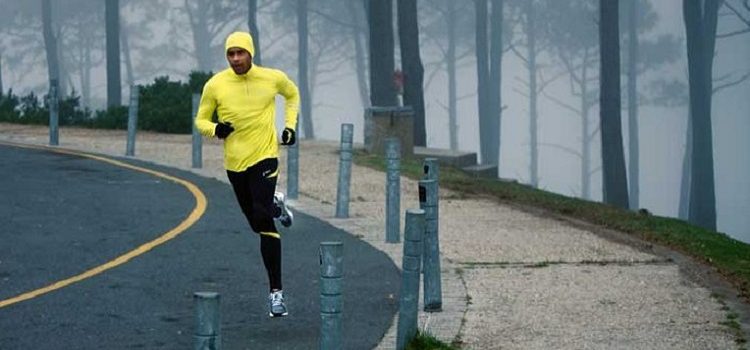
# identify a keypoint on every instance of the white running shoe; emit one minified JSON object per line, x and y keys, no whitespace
{"x":276,"y":307}
{"x":286,"y":217}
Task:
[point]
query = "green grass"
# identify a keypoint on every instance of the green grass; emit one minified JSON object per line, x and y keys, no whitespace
{"x":423,"y":341}
{"x":730,"y":257}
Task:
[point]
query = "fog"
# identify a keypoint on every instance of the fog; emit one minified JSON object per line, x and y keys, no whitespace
{"x":162,"y":42}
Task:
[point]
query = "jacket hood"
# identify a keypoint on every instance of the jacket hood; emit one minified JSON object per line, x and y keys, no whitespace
{"x":242,"y":40}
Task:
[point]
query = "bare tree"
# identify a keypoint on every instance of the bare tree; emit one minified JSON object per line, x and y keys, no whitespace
{"x":613,"y":159}
{"x":700,"y":25}
{"x":252,"y":25}
{"x":489,"y":64}
{"x":112,"y":15}
{"x":302,"y":37}
{"x":50,"y":42}
{"x":411,"y":61}
{"x":380,"y":19}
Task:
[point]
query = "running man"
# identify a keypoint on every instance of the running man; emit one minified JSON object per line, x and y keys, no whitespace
{"x":244,"y":98}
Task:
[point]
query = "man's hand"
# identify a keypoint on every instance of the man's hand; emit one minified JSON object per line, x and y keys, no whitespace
{"x":288,"y":137}
{"x":223,"y":130}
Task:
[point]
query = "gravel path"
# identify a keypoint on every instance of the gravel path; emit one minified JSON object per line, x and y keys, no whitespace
{"x":512,"y":279}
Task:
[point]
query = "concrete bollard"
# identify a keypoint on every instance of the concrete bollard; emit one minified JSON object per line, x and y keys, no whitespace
{"x":207,"y":321}
{"x":393,"y":190}
{"x":132,"y":120}
{"x":331,"y":301}
{"x":345,"y":171}
{"x":292,"y":170}
{"x":428,"y":201}
{"x":431,"y":169}
{"x":197,"y":139}
{"x":409,"y":296}
{"x":54,"y":118}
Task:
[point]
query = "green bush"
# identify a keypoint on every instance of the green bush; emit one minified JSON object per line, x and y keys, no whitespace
{"x":33,"y":111}
{"x":70,"y":113}
{"x":8,"y":104}
{"x":112,"y":118}
{"x":166,"y":106}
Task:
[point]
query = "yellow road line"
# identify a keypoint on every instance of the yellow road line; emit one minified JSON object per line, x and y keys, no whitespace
{"x":195,"y":214}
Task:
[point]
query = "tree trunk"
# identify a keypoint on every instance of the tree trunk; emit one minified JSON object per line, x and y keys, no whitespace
{"x":700,"y":27}
{"x":480,"y":7}
{"x":85,"y":69}
{"x":1,"y":75}
{"x":533,"y":116}
{"x":494,"y":117}
{"x":613,"y":160}
{"x":633,"y":129}
{"x":411,"y":62}
{"x":50,"y":42}
{"x":127,"y":57}
{"x":585,"y":138}
{"x":201,"y":37}
{"x":307,"y":124}
{"x":360,"y":55}
{"x":252,"y":25}
{"x":380,"y":15}
{"x":112,"y":14}
{"x":684,"y":208}
{"x":451,"y":66}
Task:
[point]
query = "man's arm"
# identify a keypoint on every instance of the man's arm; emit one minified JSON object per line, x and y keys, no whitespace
{"x":205,"y":111}
{"x":289,"y":90}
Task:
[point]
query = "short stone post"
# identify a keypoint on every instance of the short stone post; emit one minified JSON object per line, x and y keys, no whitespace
{"x":207,"y":321}
{"x":409,"y":296}
{"x":197,"y":139}
{"x":345,"y":171}
{"x":54,"y":118}
{"x":428,"y":201}
{"x":393,"y":190}
{"x":331,"y":301}
{"x":431,"y":169}
{"x":132,"y":120}
{"x":292,"y":169}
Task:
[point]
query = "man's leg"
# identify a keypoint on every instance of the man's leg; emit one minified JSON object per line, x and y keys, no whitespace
{"x":263,"y":187}
{"x":252,"y":188}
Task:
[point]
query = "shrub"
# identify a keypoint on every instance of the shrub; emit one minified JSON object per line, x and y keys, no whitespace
{"x":166,"y":106}
{"x":8,"y":105}
{"x":115,"y":117}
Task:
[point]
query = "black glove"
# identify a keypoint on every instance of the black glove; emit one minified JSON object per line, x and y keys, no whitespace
{"x":223,"y":130}
{"x":288,"y":137}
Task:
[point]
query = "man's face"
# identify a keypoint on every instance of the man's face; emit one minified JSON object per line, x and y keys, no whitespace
{"x":239,"y":59}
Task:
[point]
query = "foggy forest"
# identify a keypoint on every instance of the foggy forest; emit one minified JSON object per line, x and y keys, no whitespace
{"x":526,"y":84}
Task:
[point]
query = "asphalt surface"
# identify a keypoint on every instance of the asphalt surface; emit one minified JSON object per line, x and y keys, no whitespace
{"x":61,"y":215}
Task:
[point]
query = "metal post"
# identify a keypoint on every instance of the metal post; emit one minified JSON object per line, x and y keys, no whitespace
{"x":431,"y":169}
{"x":54,"y":119}
{"x":345,"y":171}
{"x":292,"y":172}
{"x":331,"y":302}
{"x":197,"y":139}
{"x":207,"y":321}
{"x":409,"y":299}
{"x":428,"y":201}
{"x":132,"y":120}
{"x":393,"y":190}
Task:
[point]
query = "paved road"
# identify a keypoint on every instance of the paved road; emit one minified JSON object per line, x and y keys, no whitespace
{"x":61,"y":215}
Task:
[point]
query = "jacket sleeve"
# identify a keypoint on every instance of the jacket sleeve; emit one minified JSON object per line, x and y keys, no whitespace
{"x":205,"y":111}
{"x":289,"y":90}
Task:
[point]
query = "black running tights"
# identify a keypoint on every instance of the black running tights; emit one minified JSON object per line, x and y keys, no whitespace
{"x":254,"y":189}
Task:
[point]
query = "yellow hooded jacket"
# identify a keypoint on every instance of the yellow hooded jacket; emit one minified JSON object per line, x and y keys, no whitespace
{"x":247,"y":102}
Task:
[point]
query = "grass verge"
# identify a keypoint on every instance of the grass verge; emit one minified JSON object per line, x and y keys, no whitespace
{"x":424,"y":341}
{"x":728,"y":256}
